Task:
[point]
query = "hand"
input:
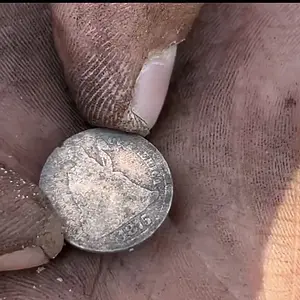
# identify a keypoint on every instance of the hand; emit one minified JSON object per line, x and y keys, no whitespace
{"x":229,"y":131}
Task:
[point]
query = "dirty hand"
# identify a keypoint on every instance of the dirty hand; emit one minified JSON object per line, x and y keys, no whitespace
{"x":229,"y":131}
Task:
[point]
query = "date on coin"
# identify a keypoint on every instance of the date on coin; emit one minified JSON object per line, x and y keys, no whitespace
{"x":112,"y":189}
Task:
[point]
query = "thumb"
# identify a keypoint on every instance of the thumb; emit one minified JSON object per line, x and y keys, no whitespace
{"x":30,"y":233}
{"x":118,"y":58}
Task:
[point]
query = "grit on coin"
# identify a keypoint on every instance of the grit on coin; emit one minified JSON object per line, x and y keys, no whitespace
{"x":112,"y":190}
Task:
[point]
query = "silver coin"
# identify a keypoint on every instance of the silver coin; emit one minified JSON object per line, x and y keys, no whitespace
{"x":112,"y":190}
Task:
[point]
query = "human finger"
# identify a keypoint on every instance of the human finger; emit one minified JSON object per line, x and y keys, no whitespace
{"x":30,"y":232}
{"x":118,"y":58}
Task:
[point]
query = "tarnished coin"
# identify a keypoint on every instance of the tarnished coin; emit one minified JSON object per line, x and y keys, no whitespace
{"x":111,"y":189}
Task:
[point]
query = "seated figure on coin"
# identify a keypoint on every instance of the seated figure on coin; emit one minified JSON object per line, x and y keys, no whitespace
{"x":122,"y":198}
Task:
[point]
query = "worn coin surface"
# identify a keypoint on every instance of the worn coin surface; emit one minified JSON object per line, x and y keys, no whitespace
{"x":111,"y":189}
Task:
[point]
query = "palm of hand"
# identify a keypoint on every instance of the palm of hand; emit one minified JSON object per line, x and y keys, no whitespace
{"x":230,"y":134}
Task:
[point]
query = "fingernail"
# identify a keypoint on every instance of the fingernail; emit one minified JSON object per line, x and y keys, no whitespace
{"x":47,"y":245}
{"x":152,"y":85}
{"x":23,"y":259}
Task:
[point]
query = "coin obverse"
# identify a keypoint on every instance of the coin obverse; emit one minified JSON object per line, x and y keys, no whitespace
{"x":112,"y":190}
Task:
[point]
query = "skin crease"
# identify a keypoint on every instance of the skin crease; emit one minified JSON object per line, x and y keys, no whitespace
{"x":230,"y":132}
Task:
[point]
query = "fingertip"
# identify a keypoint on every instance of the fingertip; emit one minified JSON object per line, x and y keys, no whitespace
{"x":152,"y":85}
{"x":23,"y":259}
{"x":51,"y":238}
{"x":30,"y":230}
{"x":47,"y":246}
